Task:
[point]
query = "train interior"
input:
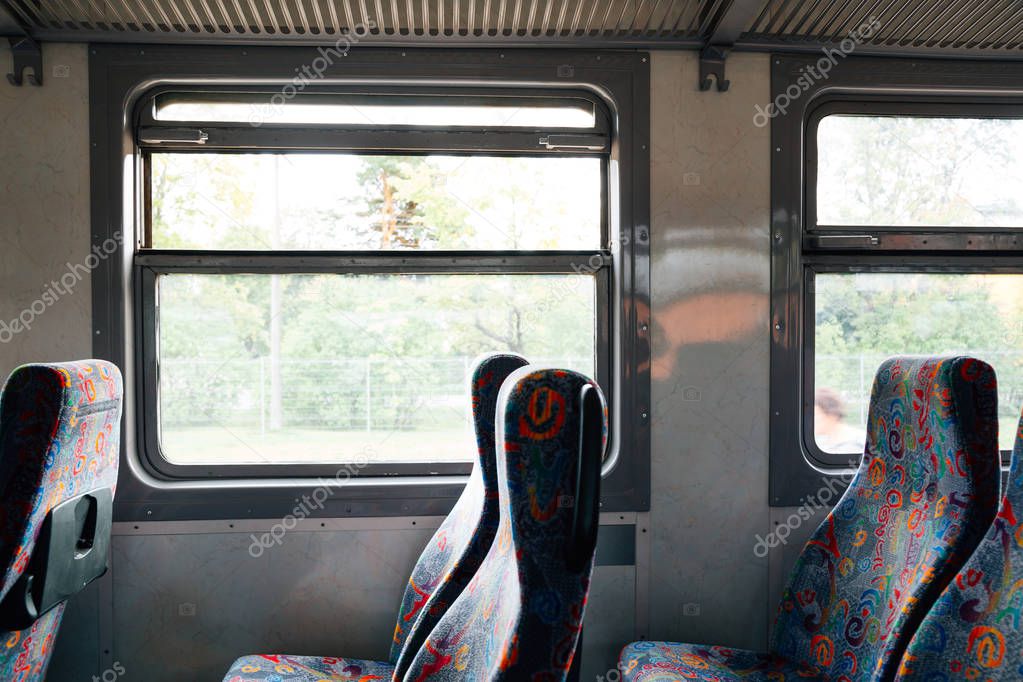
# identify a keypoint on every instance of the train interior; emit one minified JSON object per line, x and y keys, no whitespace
{"x":511,"y":340}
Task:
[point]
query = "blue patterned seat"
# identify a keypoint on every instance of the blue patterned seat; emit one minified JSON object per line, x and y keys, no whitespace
{"x":443,"y":570}
{"x":974,"y":632}
{"x":520,"y":617}
{"x":924,"y":495}
{"x":60,"y":429}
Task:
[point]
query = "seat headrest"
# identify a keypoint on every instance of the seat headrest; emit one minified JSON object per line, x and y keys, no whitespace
{"x":487,"y":378}
{"x":59,"y":437}
{"x":554,"y":431}
{"x":946,"y":405}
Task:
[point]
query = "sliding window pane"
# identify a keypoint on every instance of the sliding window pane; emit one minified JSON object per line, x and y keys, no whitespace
{"x":381,"y":110}
{"x":378,"y":203}
{"x":863,"y":318}
{"x":258,"y":369}
{"x":904,"y":171}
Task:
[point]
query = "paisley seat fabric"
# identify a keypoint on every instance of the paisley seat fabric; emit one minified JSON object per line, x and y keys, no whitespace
{"x":663,"y":661}
{"x":924,"y":495}
{"x":60,"y":429}
{"x":519,"y":618}
{"x":973,"y":631}
{"x":447,"y":563}
{"x":306,"y":668}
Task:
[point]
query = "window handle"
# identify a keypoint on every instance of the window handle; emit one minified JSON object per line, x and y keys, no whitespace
{"x":566,"y":141}
{"x":153,"y":135}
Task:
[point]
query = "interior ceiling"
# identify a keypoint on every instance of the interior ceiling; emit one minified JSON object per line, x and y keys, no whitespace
{"x":990,"y":28}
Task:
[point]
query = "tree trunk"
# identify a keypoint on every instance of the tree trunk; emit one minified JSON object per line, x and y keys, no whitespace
{"x":389,"y":221}
{"x":276,"y":385}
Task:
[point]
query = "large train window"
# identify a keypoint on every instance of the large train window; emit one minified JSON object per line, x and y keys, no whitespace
{"x":898,"y":230}
{"x":318,"y":270}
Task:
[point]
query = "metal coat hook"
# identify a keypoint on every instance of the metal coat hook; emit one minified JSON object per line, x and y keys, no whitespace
{"x":27,"y":55}
{"x":712,"y":67}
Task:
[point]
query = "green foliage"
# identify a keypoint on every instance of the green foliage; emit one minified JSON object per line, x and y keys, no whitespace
{"x":863,"y":318}
{"x":354,"y":351}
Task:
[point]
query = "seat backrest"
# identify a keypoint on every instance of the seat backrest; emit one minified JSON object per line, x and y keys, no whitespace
{"x":922,"y":498}
{"x":973,"y":631}
{"x":520,"y":616}
{"x":456,"y":550}
{"x":60,"y":430}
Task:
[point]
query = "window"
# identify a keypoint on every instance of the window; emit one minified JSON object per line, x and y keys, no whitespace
{"x":908,"y":179}
{"x":861,"y":318}
{"x":317,"y":278}
{"x":919,"y":171}
{"x":898,"y":229}
{"x":304,"y":268}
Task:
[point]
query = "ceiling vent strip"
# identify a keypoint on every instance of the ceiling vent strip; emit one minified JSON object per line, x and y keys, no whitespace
{"x":483,"y":20}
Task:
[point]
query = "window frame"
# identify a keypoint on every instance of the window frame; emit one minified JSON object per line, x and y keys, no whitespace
{"x":122,"y":82}
{"x":240,"y":137}
{"x":802,"y":248}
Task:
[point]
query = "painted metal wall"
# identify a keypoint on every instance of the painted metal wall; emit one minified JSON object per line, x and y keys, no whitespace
{"x":710,"y":208}
{"x":180,"y":605}
{"x":44,"y":212}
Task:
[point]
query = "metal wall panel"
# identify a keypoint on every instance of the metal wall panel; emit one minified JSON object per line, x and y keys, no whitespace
{"x":44,"y":225}
{"x":710,"y":248}
{"x":186,"y":604}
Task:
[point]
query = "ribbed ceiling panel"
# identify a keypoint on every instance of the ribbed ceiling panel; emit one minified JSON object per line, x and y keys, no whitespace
{"x":919,"y":24}
{"x":482,"y":20}
{"x":946,"y":27}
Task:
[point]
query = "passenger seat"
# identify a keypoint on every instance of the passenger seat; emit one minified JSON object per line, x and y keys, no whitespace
{"x":520,"y":617}
{"x":924,"y":495}
{"x":60,"y":434}
{"x":444,"y":568}
{"x":974,"y":631}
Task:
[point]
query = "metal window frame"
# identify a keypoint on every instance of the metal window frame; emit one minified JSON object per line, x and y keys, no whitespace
{"x":149,"y":266}
{"x":121,"y":77}
{"x":221,"y":137}
{"x":268,"y":135}
{"x":802,"y":248}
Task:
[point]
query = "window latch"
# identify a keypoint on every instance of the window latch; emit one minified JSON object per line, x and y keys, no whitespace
{"x":152,"y":135}
{"x":589,"y":142}
{"x":844,"y":241}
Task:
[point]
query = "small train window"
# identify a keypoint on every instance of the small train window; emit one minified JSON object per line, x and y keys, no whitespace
{"x":862,"y":318}
{"x":919,"y":171}
{"x":906,"y":207}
